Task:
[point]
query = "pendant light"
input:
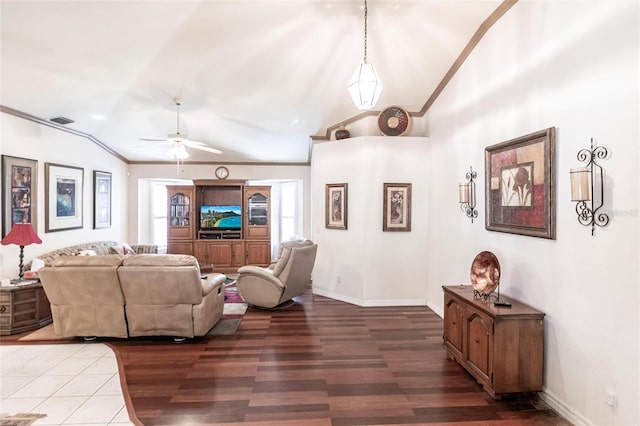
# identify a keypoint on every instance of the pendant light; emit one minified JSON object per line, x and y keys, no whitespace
{"x":365,"y":86}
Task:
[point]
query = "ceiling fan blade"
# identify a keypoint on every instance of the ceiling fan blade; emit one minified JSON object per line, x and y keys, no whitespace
{"x":205,"y":148}
{"x":189,"y":142}
{"x":154,"y":140}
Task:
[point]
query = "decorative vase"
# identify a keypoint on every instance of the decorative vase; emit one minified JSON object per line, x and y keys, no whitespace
{"x":342,"y":133}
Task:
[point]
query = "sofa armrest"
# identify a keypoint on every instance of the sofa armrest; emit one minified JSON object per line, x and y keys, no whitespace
{"x":212,"y":282}
{"x":258,"y":272}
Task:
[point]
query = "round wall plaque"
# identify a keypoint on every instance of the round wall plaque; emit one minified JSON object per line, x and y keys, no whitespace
{"x":393,"y":121}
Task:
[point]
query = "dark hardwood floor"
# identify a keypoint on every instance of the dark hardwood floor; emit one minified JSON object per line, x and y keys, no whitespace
{"x":319,"y":362}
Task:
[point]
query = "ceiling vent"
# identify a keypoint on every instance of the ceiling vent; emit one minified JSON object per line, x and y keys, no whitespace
{"x":61,"y":120}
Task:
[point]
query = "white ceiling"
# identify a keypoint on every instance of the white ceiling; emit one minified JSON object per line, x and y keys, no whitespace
{"x":257,"y":78}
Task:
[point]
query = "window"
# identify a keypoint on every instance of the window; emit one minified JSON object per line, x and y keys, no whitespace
{"x":289,"y":211}
{"x":159,"y":214}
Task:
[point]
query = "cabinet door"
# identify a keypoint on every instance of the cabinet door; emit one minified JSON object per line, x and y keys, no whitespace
{"x":179,"y":213}
{"x":180,"y":248}
{"x":258,"y":253}
{"x":201,"y":252}
{"x":479,"y":345}
{"x":258,"y":214}
{"x":237,"y":253}
{"x":453,"y":325}
{"x":221,"y":254}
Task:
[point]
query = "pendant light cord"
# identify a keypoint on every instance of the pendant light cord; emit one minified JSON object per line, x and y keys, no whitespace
{"x":365,"y":31}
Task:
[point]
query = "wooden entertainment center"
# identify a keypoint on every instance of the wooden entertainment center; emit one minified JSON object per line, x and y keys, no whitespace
{"x":220,"y":249}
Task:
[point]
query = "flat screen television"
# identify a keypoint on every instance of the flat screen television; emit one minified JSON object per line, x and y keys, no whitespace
{"x":221,"y":218}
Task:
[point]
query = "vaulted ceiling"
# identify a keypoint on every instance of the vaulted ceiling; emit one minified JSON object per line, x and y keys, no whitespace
{"x":257,"y":78}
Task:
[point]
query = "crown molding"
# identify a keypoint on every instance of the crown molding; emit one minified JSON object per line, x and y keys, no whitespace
{"x":29,"y":117}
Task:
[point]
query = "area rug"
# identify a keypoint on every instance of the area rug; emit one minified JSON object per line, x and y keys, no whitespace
{"x":20,"y":419}
{"x":234,"y":309}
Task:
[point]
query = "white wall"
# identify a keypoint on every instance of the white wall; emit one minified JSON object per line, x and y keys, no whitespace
{"x":363,"y":264}
{"x":574,"y":66}
{"x":22,"y":138}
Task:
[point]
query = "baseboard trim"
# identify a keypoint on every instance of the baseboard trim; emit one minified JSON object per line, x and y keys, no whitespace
{"x":436,"y":309}
{"x":370,"y":303}
{"x":563,"y":409}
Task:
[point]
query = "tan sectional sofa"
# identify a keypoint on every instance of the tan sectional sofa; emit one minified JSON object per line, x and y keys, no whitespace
{"x":101,"y":248}
{"x":135,"y":295}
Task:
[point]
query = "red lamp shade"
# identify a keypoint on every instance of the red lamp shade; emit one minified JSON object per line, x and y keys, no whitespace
{"x":22,"y":234}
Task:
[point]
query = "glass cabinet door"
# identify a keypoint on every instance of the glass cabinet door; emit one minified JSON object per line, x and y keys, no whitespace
{"x":258,"y":210}
{"x":179,"y":210}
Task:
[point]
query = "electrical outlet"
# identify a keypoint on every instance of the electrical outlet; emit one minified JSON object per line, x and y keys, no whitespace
{"x":611,"y":398}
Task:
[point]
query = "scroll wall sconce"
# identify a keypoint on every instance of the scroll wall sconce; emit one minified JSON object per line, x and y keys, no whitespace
{"x":467,"y":195}
{"x":587,"y":187}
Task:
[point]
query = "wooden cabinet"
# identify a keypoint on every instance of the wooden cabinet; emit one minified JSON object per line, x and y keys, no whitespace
{"x":220,"y":248}
{"x":501,"y":347}
{"x":257,"y":225}
{"x":258,"y":214}
{"x":180,"y":215}
{"x":23,"y":308}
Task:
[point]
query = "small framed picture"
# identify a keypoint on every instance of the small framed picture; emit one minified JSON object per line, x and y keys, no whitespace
{"x":336,"y":206}
{"x":396,"y":207}
{"x":63,"y":199}
{"x":19,"y":192}
{"x":101,"y":199}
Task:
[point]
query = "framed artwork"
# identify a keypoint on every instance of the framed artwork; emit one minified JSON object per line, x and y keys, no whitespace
{"x":396,"y":207}
{"x":19,"y":192}
{"x":335,"y":206}
{"x":101,"y":199}
{"x":63,"y":197}
{"x":520,"y":185}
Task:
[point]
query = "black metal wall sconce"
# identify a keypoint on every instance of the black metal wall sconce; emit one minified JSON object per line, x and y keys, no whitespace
{"x":467,"y":195}
{"x":587,"y":187}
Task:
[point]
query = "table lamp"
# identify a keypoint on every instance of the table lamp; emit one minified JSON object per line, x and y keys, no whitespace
{"x":22,"y":234}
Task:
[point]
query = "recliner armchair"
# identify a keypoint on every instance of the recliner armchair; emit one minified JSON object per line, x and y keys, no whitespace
{"x":288,"y":277}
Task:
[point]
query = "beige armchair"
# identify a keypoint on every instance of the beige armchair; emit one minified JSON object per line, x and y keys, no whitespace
{"x":288,"y":277}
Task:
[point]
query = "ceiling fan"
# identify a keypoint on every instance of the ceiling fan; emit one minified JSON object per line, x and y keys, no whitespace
{"x":180,"y":142}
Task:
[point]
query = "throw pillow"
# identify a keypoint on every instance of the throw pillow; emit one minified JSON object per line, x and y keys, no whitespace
{"x":127,"y":249}
{"x":87,"y":253}
{"x":122,"y":249}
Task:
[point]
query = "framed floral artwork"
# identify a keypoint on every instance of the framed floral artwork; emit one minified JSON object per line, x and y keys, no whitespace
{"x":335,"y":206}
{"x":101,"y":199}
{"x":396,"y":207}
{"x":19,"y":192}
{"x":520,"y":185}
{"x":63,"y":197}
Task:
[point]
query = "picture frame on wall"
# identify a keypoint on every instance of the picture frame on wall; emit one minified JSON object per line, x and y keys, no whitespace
{"x":19,"y":192}
{"x":396,"y":207}
{"x":101,"y":199}
{"x":520,"y":185}
{"x":63,"y":197}
{"x":336,"y":206}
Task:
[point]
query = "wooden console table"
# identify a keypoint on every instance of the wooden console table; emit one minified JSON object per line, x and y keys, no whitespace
{"x":501,"y":347}
{"x":23,"y":308}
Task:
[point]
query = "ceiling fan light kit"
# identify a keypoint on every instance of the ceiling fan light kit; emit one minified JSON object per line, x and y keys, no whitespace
{"x":365,"y":86}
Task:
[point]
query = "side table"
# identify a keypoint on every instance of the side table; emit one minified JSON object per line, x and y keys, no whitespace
{"x":23,"y":308}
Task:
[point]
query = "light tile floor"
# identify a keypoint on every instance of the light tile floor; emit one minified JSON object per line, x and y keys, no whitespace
{"x":73,"y":384}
